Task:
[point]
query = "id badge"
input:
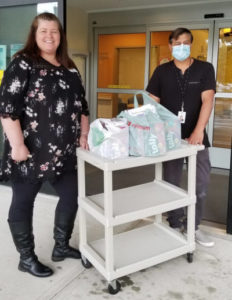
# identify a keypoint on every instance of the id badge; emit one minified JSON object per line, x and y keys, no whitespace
{"x":182,"y":116}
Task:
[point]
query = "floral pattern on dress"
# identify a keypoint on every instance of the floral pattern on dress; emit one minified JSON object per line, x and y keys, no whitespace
{"x":48,"y":101}
{"x":14,"y":87}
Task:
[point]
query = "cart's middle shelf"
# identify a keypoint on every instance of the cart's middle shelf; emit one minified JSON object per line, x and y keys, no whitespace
{"x":137,"y":202}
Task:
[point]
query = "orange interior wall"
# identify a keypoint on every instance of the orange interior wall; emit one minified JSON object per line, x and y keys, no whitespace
{"x":107,"y":54}
{"x":160,"y":38}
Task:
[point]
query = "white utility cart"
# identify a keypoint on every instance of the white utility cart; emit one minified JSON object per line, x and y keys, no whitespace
{"x":117,"y":255}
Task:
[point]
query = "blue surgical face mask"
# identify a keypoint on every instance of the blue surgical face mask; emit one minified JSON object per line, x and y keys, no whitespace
{"x":181,"y":52}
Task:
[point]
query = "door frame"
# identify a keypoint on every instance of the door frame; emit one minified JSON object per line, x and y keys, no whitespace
{"x":211,"y":25}
{"x":220,"y":157}
{"x":208,"y":24}
{"x":229,"y":207}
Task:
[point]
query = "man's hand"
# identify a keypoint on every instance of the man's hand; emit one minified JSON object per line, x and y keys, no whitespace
{"x":197,"y":135}
{"x":196,"y":138}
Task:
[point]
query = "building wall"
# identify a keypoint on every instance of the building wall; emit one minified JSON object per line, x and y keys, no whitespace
{"x":77,"y":36}
{"x":108,"y":48}
{"x":77,"y":29}
{"x":187,"y":13}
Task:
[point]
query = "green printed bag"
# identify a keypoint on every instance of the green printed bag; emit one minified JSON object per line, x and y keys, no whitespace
{"x":171,"y":122}
{"x":146,"y":131}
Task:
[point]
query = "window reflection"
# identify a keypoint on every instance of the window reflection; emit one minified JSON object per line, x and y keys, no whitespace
{"x":222,"y":123}
{"x":121,"y":61}
{"x":13,"y":34}
{"x":51,"y":7}
{"x":160,"y":53}
{"x":224,"y":71}
{"x":111,"y":104}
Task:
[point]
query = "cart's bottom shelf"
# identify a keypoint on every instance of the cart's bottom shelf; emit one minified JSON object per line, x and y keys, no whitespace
{"x":138,"y":249}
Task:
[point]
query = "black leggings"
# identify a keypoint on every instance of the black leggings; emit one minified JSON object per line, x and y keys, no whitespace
{"x":24,"y":194}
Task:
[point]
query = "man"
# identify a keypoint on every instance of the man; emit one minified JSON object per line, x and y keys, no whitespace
{"x":186,"y":87}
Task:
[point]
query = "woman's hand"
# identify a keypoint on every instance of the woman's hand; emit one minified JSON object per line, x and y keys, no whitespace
{"x":20,"y":153}
{"x":13,"y":131}
{"x":84,"y":141}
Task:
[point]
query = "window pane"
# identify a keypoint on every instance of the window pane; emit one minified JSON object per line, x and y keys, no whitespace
{"x":160,"y":53}
{"x":111,"y":104}
{"x":15,"y":22}
{"x":13,"y":34}
{"x":121,"y":61}
{"x":222,"y":123}
{"x":51,"y":7}
{"x":224,"y":71}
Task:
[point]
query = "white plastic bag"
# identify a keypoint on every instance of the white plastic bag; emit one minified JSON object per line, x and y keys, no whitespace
{"x":172,"y":124}
{"x":109,"y":138}
{"x":146,"y":131}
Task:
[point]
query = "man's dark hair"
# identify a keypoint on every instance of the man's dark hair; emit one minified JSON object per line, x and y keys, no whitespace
{"x":177,"y":32}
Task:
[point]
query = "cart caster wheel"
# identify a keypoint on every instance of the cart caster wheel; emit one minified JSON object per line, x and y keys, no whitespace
{"x":190,"y":257}
{"x":87,"y":264}
{"x":114,"y":287}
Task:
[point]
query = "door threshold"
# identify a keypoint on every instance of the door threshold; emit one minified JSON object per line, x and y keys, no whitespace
{"x":215,"y":229}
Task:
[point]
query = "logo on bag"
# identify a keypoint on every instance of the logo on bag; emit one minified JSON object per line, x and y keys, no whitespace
{"x":153,"y":143}
{"x":170,"y":141}
{"x":138,"y":126}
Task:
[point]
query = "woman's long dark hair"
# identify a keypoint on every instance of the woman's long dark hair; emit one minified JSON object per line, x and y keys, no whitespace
{"x":31,"y":49}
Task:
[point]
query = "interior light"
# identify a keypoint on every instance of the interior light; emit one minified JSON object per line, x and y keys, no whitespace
{"x":226,"y":30}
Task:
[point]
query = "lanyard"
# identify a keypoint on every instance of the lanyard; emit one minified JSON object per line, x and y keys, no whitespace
{"x":182,"y":84}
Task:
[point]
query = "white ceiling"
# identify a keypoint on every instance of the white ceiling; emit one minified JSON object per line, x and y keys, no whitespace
{"x":114,"y":5}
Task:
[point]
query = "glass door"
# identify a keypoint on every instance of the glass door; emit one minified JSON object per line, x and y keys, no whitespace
{"x":220,"y":125}
{"x":159,"y":49}
{"x":120,"y":71}
{"x":124,"y":62}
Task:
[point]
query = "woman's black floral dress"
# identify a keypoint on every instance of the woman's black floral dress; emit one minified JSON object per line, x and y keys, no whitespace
{"x":48,"y":101}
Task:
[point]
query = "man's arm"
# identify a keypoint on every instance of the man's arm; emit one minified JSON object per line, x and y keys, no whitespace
{"x":207,"y":105}
{"x":157,"y":99}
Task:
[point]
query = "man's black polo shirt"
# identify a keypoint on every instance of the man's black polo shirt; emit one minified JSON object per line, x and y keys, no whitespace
{"x":164,"y":84}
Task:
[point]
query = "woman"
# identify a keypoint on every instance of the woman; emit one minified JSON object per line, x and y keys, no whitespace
{"x":45,"y":117}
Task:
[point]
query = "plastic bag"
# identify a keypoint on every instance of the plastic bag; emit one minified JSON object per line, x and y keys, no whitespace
{"x":146,"y":131}
{"x":171,"y":122}
{"x":109,"y":138}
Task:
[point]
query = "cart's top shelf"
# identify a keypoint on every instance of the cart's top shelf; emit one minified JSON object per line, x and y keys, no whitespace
{"x":105,"y":164}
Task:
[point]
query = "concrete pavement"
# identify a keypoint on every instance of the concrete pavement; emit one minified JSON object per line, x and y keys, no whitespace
{"x":208,"y":277}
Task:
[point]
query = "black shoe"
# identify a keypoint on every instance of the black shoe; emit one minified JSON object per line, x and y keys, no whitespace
{"x":23,"y":238}
{"x":63,"y":228}
{"x":34,"y":267}
{"x":60,"y":253}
